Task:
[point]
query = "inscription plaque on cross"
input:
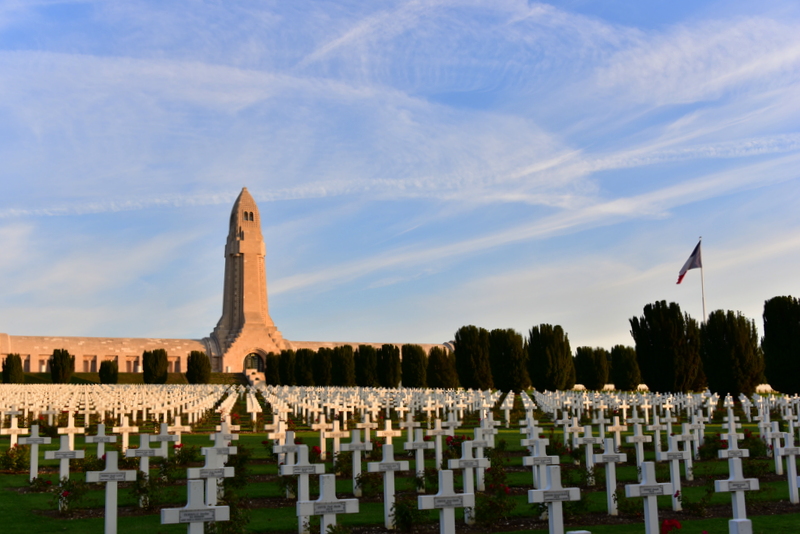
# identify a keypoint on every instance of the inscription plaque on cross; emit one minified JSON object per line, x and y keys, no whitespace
{"x":446,"y":501}
{"x":196,"y":513}
{"x":554,"y":495}
{"x":211,"y":472}
{"x":111,"y":476}
{"x":327,"y":505}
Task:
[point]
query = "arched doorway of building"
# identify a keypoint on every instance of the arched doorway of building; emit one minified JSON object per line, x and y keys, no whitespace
{"x":254,"y":361}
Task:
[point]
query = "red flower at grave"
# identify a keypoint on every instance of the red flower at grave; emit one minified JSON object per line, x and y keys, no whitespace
{"x":265,"y":442}
{"x":49,"y":482}
{"x":64,"y":493}
{"x":177,"y":446}
{"x":669,"y":525}
{"x":316,"y":450}
{"x":104,"y":458}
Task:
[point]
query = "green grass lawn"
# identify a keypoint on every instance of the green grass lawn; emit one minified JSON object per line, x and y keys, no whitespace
{"x":19,"y":510}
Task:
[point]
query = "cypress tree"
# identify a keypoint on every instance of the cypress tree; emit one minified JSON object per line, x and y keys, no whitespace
{"x":668,"y":348}
{"x":472,"y":357}
{"x":272,"y":370}
{"x":414,"y":366}
{"x":109,"y":372}
{"x":366,"y":366}
{"x":287,"y":366}
{"x":624,"y":368}
{"x":731,"y":356}
{"x":781,"y":343}
{"x":198,"y":368}
{"x":323,"y":367}
{"x":62,"y":365}
{"x":508,"y":360}
{"x":154,"y":366}
{"x":12,"y":370}
{"x":304,"y":367}
{"x":389,"y":370}
{"x":550,"y":363}
{"x":591,"y":367}
{"x":441,"y":371}
{"x":343,"y":366}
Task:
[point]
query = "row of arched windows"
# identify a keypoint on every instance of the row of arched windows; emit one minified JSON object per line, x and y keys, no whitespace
{"x":248,"y":216}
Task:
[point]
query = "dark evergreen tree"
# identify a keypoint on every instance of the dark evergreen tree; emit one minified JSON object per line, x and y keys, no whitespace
{"x":272,"y":369}
{"x":781,"y":343}
{"x":154,"y":366}
{"x":624,"y":368}
{"x":12,"y":370}
{"x":323,"y":367}
{"x":343,"y":366}
{"x":389,"y":370}
{"x":367,"y":366}
{"x":668,"y":348}
{"x":414,"y":366}
{"x":287,"y":366}
{"x":62,"y":365}
{"x":198,"y":368}
{"x":550,"y":363}
{"x":109,"y":372}
{"x":732,"y":359}
{"x":508,"y":360}
{"x":472,"y":358}
{"x":441,"y":369}
{"x":304,"y":367}
{"x":591,"y":367}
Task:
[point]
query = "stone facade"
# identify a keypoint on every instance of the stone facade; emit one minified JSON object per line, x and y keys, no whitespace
{"x":245,"y":332}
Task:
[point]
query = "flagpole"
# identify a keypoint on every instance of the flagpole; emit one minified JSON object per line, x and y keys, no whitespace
{"x":703,"y":286}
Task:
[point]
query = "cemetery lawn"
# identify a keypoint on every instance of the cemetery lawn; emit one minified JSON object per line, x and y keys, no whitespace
{"x":24,"y":512}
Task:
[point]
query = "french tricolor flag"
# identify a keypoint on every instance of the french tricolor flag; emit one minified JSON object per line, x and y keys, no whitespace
{"x":695,"y":261}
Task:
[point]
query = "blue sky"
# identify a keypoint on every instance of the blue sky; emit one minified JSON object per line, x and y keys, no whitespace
{"x":418,"y":165}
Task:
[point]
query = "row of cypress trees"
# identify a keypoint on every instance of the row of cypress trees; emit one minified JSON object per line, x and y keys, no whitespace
{"x":367,"y":366}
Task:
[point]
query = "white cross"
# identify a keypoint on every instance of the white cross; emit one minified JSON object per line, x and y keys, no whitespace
{"x":589,"y":441}
{"x":438,"y":432}
{"x":164,"y":437}
{"x":179,"y":428}
{"x":213,"y":469}
{"x":101,"y":439}
{"x":736,"y":484}
{"x":409,"y":425}
{"x":367,"y":425}
{"x":674,"y":456}
{"x":388,"y":432}
{"x":302,"y":469}
{"x":13,"y":431}
{"x":34,"y":440}
{"x":327,"y":505}
{"x":650,"y":489}
{"x":70,"y":430}
{"x":446,"y":501}
{"x":733,"y":450}
{"x":144,"y":453}
{"x":222,"y":446}
{"x":617,"y":428}
{"x":356,"y":446}
{"x":337,"y":436}
{"x":775,"y":436}
{"x":688,"y":439}
{"x":322,"y":427}
{"x":388,"y":465}
{"x":554,"y":494}
{"x":538,"y":459}
{"x":789,"y":451}
{"x":125,"y":430}
{"x":611,"y":458}
{"x":111,"y":475}
{"x":468,"y":463}
{"x":419,"y":445}
{"x":64,"y":454}
{"x":196,"y":512}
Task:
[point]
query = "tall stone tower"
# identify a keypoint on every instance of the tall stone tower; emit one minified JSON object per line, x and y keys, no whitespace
{"x":245,"y":333}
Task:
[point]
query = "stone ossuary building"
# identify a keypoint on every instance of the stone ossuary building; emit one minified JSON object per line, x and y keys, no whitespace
{"x":244,"y":335}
